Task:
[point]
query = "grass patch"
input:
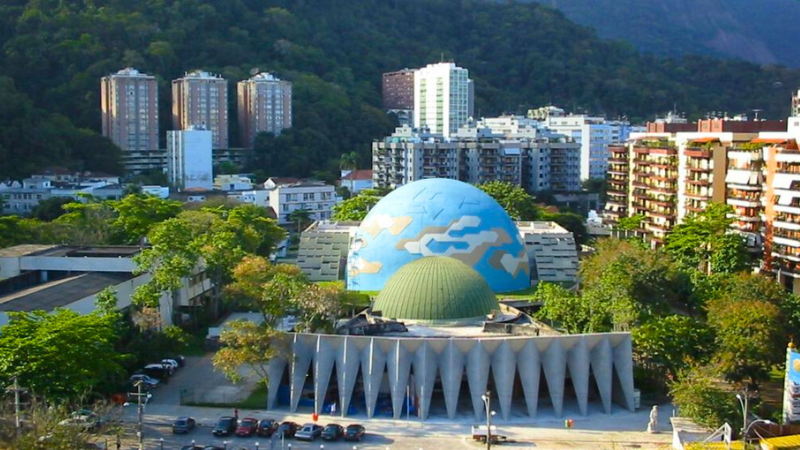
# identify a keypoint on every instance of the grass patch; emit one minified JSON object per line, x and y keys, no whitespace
{"x":256,"y":400}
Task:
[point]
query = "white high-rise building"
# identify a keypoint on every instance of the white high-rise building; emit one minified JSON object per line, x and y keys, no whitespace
{"x":189,"y":162}
{"x":443,"y":98}
{"x":594,"y":134}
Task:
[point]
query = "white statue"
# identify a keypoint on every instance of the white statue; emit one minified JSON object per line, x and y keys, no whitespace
{"x":652,"y":426}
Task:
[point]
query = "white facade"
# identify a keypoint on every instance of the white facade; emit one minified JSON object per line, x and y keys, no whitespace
{"x":443,"y":98}
{"x":232,"y":183}
{"x":594,"y":134}
{"x":189,"y":162}
{"x":315,"y":197}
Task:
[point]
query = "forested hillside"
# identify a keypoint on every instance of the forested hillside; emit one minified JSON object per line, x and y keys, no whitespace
{"x":763,"y":31}
{"x":334,"y":51}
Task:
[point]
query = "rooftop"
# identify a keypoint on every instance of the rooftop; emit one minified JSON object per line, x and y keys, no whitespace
{"x":24,"y":250}
{"x":60,"y":293}
{"x":363,"y":174}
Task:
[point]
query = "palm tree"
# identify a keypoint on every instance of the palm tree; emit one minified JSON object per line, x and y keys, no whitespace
{"x":299,"y":217}
{"x":348,"y":161}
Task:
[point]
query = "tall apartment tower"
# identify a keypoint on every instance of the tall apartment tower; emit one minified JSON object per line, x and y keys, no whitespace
{"x":443,"y":98}
{"x":200,"y":99}
{"x":796,"y":104}
{"x":129,"y":106}
{"x":264,"y":105}
{"x":398,"y":90}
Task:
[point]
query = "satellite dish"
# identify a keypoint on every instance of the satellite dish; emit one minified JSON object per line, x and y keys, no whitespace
{"x":254,"y":71}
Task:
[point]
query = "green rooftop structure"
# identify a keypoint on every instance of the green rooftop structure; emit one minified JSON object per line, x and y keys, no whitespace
{"x":436,"y":290}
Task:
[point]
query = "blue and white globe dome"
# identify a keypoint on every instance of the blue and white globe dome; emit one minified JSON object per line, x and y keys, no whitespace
{"x":438,"y":217}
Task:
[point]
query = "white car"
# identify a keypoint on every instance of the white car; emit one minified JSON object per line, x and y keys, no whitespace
{"x":151,"y":382}
{"x":84,"y":422}
{"x":171,"y":362}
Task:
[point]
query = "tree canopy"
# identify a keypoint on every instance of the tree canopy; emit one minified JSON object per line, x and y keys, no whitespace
{"x":518,"y":204}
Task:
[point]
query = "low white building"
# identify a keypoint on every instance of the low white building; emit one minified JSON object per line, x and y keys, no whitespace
{"x":46,"y":277}
{"x":316,"y":197}
{"x":552,"y":253}
{"x":356,"y":180}
{"x":235,"y":182}
{"x":189,"y":161}
{"x":21,"y":198}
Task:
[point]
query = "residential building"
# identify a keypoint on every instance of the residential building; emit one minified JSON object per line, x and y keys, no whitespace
{"x":315,"y":197}
{"x":594,"y":134}
{"x":46,"y":277}
{"x":129,"y":108}
{"x":236,"y":182}
{"x":537,"y":160}
{"x":796,"y":104}
{"x":189,"y":162}
{"x":552,"y":253}
{"x":264,"y":106}
{"x":356,"y":180}
{"x":398,"y":90}
{"x":443,"y":98}
{"x":200,"y":99}
{"x":667,"y":176}
{"x":21,"y":198}
{"x":135,"y":163}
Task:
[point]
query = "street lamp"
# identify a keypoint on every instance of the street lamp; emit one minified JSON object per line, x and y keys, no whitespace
{"x":256,"y":445}
{"x":487,"y":400}
{"x":743,"y":401}
{"x":161,"y":440}
{"x":744,"y":434}
{"x":225,"y":445}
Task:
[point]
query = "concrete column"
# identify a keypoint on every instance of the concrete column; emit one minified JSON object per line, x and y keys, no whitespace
{"x":504,"y":369}
{"x":425,"y":374}
{"x":275,"y":370}
{"x":602,"y":366}
{"x":325,"y":355}
{"x":478,"y":377}
{"x":554,"y":363}
{"x":398,"y":363}
{"x":451,"y":368}
{"x":303,"y":351}
{"x":578,"y":364}
{"x":373,"y":363}
{"x":623,"y":363}
{"x":529,"y":366}
{"x":347,"y":360}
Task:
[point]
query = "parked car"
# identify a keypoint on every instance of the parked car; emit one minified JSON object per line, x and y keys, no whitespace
{"x":287,"y":429}
{"x":84,"y":422}
{"x":354,"y":432}
{"x":267,"y":427}
{"x":178,"y":359}
{"x":332,"y":432}
{"x":172,"y":363}
{"x":147,"y":380}
{"x":192,"y":447}
{"x":183,"y":425}
{"x":213,"y":447}
{"x":247,"y":427}
{"x":225,"y":426}
{"x":157,"y":371}
{"x":309,"y":432}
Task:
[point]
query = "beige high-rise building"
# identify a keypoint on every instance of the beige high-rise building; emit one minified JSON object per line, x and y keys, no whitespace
{"x":264,"y":105}
{"x":200,"y":100}
{"x":129,"y":105}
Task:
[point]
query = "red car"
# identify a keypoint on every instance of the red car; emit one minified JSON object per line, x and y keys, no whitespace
{"x":247,"y":427}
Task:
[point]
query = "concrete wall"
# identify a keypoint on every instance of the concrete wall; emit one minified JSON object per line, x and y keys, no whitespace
{"x":557,"y":357}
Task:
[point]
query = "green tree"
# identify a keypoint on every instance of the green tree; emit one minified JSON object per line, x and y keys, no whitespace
{"x":668,"y":345}
{"x":60,"y":355}
{"x":348,"y":161}
{"x":356,"y":208}
{"x":597,"y":186}
{"x":700,"y":399}
{"x":569,"y":310}
{"x":748,"y":333}
{"x":571,"y":222}
{"x":631,"y":223}
{"x":138,"y":213}
{"x":91,"y":221}
{"x":518,"y":204}
{"x":250,"y":345}
{"x":704,"y":241}
{"x":300,"y":217}
{"x":50,"y":209}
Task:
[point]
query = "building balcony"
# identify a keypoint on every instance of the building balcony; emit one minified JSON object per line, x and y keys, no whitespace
{"x":697,"y":152}
{"x":617,"y":193}
{"x":663,"y":214}
{"x":786,"y":225}
{"x":615,"y":160}
{"x":789,"y":240}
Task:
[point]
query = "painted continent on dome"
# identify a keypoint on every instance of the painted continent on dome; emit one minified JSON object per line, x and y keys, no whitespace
{"x":438,"y":217}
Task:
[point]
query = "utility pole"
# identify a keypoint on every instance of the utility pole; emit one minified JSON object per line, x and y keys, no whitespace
{"x":17,"y":406}
{"x":139,"y":394}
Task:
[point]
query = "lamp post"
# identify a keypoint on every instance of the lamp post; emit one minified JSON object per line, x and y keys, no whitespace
{"x":256,"y":445}
{"x":746,"y":430}
{"x":161,"y":441}
{"x":140,"y":431}
{"x":487,"y":400}
{"x":743,"y":402}
{"x":225,"y":445}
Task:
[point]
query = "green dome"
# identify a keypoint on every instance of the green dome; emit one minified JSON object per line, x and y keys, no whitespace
{"x":436,"y":289}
